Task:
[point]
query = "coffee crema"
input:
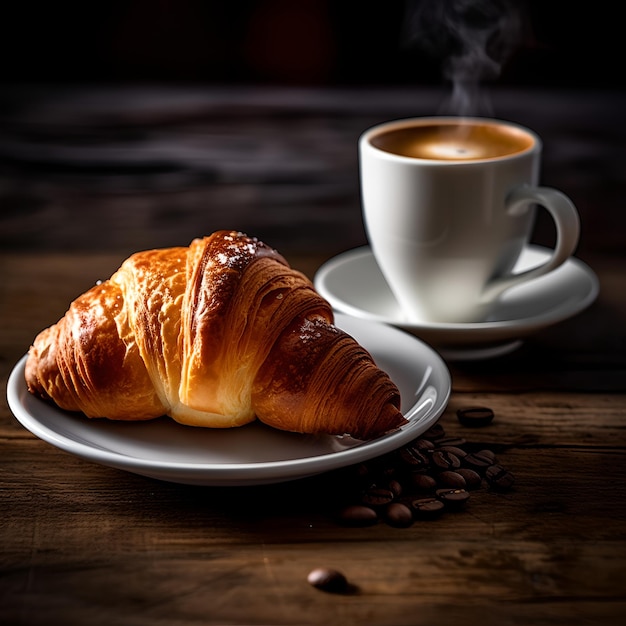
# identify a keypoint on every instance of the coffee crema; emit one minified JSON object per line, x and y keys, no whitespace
{"x":455,"y":141}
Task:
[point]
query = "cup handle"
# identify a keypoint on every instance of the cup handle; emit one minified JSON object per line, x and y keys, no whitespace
{"x":567,"y":223}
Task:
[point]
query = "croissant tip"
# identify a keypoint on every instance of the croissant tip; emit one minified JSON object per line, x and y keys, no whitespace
{"x":388,"y":425}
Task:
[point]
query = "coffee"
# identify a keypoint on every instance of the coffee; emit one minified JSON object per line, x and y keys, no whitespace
{"x":454,"y":141}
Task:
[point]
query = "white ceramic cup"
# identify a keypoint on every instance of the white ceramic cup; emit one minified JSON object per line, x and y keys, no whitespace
{"x":448,"y":206}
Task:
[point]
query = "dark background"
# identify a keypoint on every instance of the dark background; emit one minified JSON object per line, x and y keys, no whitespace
{"x":146,"y":123}
{"x":559,"y":44}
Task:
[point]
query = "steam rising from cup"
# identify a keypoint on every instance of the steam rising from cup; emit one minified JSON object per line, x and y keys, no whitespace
{"x":471,"y":38}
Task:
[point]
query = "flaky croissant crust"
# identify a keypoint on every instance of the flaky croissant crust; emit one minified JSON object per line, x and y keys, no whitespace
{"x":215,"y":334}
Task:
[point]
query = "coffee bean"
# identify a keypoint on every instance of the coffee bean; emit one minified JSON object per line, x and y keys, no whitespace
{"x":358,"y":515}
{"x":453,"y":450}
{"x":480,"y":460}
{"x":395,"y":486}
{"x":453,"y":497}
{"x":398,"y":514}
{"x":472,"y":478}
{"x":499,"y":478}
{"x":414,"y":458}
{"x":475,"y":416}
{"x":423,"y":482}
{"x":442,"y":460}
{"x":427,"y":507}
{"x":328,"y":579}
{"x":490,"y":454}
{"x":451,"y":479}
{"x":423,"y":444}
{"x":377,"y":496}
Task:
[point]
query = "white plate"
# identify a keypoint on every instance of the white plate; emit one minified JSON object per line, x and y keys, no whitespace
{"x":353,"y":284}
{"x":255,"y":453}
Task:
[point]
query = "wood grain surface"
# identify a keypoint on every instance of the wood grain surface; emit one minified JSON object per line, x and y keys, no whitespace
{"x":87,"y":544}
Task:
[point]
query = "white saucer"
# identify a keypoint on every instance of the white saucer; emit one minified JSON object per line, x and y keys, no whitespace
{"x":354,"y":285}
{"x":252,"y":454}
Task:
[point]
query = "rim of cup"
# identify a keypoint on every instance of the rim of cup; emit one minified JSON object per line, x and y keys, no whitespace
{"x":448,"y":120}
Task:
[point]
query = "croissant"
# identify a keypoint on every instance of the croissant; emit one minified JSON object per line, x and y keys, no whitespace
{"x":216,"y":334}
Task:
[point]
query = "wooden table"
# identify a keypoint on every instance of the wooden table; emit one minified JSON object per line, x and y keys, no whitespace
{"x":86,"y":544}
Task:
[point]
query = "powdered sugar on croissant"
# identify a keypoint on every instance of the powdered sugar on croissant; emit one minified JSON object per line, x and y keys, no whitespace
{"x":215,"y":334}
